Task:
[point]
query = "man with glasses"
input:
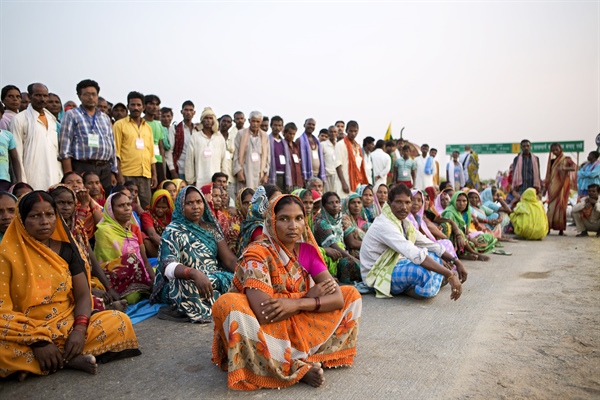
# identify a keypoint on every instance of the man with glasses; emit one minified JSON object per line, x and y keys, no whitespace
{"x":86,"y":140}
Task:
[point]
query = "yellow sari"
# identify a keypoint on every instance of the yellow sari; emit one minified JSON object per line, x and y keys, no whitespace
{"x":37,"y":303}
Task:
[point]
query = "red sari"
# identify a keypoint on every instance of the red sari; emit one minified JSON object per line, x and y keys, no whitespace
{"x":558,"y":184}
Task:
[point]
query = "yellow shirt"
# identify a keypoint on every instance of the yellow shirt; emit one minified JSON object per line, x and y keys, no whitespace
{"x":134,"y":161}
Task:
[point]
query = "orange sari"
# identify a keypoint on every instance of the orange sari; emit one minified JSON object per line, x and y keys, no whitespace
{"x":39,"y":305}
{"x":558,"y":184}
{"x":279,"y":354}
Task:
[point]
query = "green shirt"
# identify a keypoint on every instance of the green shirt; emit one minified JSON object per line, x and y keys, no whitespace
{"x":404,"y":168}
{"x":157,"y":134}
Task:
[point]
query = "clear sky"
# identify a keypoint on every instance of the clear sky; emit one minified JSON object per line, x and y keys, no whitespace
{"x":449,"y":72}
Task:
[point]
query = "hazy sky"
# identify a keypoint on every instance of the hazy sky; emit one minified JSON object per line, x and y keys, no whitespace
{"x":450,"y":72}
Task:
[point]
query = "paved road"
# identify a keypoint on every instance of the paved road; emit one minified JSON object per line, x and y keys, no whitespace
{"x":409,"y":349}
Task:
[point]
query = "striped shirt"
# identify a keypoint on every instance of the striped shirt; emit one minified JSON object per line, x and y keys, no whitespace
{"x":74,"y":140}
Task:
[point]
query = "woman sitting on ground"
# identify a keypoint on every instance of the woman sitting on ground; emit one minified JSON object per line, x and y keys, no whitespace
{"x":123,"y":190}
{"x":485,"y":217}
{"x":8,"y":206}
{"x":252,"y":226}
{"x":189,"y":276}
{"x":307,"y":199}
{"x":155,"y":220}
{"x":19,"y":189}
{"x":422,"y":224}
{"x":329,"y":233}
{"x":371,"y":207}
{"x":92,"y":183}
{"x":381,"y":194}
{"x":103,"y":295}
{"x":120,"y":247}
{"x":352,"y":215}
{"x":214,"y":196}
{"x":468,"y":245}
{"x":135,"y":200}
{"x":47,"y":322}
{"x":285,"y":317}
{"x":88,"y":209}
{"x":317,"y":206}
{"x":529,"y":218}
{"x":170,"y":187}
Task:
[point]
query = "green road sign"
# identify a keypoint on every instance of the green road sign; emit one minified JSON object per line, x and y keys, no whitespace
{"x":514,"y":148}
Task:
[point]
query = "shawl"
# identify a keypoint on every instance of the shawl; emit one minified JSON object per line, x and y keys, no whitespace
{"x":372,"y":211}
{"x":35,"y":306}
{"x":429,"y":170}
{"x":238,"y":203}
{"x":418,"y":219}
{"x":380,"y":276}
{"x":463,"y":220}
{"x":529,"y":217}
{"x":255,"y":218}
{"x":437,"y":205}
{"x":180,"y":222}
{"x":110,"y":243}
{"x":288,"y":160}
{"x":286,"y":277}
{"x":161,"y":224}
{"x":245,"y":138}
{"x":306,"y":158}
{"x":518,"y":171}
{"x":329,"y":229}
{"x":487,"y":199}
{"x":178,"y":145}
{"x":356,"y":175}
{"x":353,"y":222}
{"x":430,"y":190}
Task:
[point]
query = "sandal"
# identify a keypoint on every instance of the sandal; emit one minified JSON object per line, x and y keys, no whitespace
{"x":502,"y":252}
{"x":169,"y":313}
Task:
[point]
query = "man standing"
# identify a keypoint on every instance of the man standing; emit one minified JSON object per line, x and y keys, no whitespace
{"x":382,"y":164}
{"x":103,"y":106}
{"x":328,"y":139}
{"x":206,"y":152}
{"x":436,"y":174}
{"x":166,"y":118}
{"x":311,"y":152}
{"x":24,"y":101}
{"x":425,"y":169}
{"x":526,"y":169}
{"x":87,"y":143}
{"x":464,"y":160}
{"x":11,"y":98}
{"x":454,"y":172}
{"x":179,"y":137}
{"x":239,"y":119}
{"x":135,"y":149}
{"x":151,"y":110}
{"x":289,"y":132}
{"x":405,"y":168}
{"x":368,"y":147}
{"x":264,"y":125}
{"x":119,"y":111}
{"x":351,"y":171}
{"x":35,"y":133}
{"x":229,"y":135}
{"x":252,"y":156}
{"x":341,"y":126}
{"x":280,"y":173}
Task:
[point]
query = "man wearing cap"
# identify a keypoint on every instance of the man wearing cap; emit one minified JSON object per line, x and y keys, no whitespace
{"x":86,"y":139}
{"x":206,"y":152}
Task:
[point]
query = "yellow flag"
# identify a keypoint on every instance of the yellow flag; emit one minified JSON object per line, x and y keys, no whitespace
{"x":388,"y":134}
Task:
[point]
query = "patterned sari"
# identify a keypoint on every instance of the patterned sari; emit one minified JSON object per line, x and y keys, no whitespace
{"x":279,"y":354}
{"x":418,"y":220}
{"x":194,"y":246}
{"x":369,"y":213}
{"x":352,"y":225}
{"x":328,"y":231}
{"x":222,"y":216}
{"x":558,"y":184}
{"x":40,"y":305}
{"x":118,"y":250}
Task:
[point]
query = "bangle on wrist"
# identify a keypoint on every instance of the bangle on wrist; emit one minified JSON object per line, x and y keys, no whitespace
{"x":187,"y":273}
{"x":318,"y":304}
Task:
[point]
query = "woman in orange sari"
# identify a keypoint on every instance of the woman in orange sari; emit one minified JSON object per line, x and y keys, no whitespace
{"x":47,"y":322}
{"x":558,"y":187}
{"x":285,"y":317}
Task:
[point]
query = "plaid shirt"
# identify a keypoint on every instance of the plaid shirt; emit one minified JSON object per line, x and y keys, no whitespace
{"x":76,"y":125}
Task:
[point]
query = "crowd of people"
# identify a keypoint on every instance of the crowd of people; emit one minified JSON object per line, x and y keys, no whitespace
{"x":270,"y":237}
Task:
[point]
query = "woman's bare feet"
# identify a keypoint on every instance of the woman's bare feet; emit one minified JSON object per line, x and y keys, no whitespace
{"x":22,"y":376}
{"x":483,"y":257}
{"x":85,"y":363}
{"x":314,"y":377}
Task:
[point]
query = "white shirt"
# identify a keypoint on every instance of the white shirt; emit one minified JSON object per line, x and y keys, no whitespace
{"x":464,"y":160}
{"x":341,"y":153}
{"x":368,"y":167}
{"x":422,"y":179}
{"x":329,"y":158}
{"x":382,"y":164}
{"x":187,"y":134}
{"x":383,"y":234}
{"x":205,"y":157}
{"x":230,"y":147}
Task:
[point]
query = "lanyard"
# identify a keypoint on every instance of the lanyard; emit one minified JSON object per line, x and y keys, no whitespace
{"x":88,"y":117}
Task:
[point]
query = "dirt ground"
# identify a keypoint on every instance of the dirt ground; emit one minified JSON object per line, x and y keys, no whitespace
{"x":526,"y":327}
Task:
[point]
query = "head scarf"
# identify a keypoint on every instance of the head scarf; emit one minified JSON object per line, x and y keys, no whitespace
{"x":475,"y":191}
{"x":15,"y":198}
{"x":437,"y":205}
{"x":418,"y":220}
{"x":255,"y":218}
{"x":329,"y":229}
{"x":430,"y":190}
{"x":209,"y":112}
{"x":179,"y":184}
{"x":354,"y":221}
{"x":374,"y":209}
{"x":486,"y":197}
{"x":529,"y":217}
{"x":161,"y":223}
{"x":238,"y":203}
{"x":463,"y":220}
